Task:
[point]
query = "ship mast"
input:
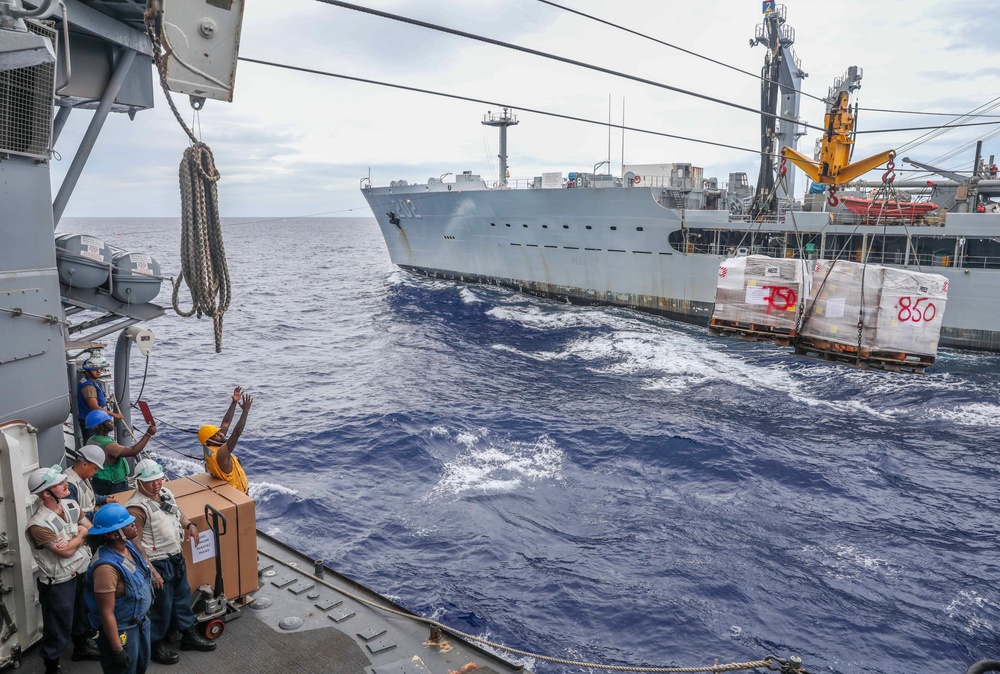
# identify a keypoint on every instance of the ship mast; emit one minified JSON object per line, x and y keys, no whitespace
{"x":501,"y":122}
{"x":781,"y":79}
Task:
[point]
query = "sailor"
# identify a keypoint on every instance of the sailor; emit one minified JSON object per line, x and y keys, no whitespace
{"x":113,"y":477}
{"x":162,"y":529}
{"x":993,"y":171}
{"x":56,"y":533}
{"x":90,"y":394}
{"x":218,"y":450}
{"x":90,"y":460}
{"x":119,"y":592}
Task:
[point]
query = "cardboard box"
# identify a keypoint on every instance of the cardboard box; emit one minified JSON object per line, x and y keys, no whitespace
{"x":237,"y":546}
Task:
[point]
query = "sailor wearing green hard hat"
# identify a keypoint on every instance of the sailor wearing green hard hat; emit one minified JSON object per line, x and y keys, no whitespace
{"x":163,"y":528}
{"x":113,"y":476}
{"x":218,"y":450}
{"x":119,"y":592}
{"x":90,"y":394}
{"x":56,"y":533}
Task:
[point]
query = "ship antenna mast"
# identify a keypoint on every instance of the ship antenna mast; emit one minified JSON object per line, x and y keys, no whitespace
{"x":781,"y":79}
{"x":501,"y":122}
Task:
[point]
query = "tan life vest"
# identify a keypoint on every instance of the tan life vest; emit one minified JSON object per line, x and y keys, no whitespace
{"x":162,"y":536}
{"x":53,"y":568}
{"x":84,"y":490}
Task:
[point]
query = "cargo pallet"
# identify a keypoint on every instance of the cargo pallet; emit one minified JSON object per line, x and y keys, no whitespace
{"x":751,"y":332}
{"x":847,"y":354}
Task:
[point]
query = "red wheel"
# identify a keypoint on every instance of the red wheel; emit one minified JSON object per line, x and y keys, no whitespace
{"x":214,"y":629}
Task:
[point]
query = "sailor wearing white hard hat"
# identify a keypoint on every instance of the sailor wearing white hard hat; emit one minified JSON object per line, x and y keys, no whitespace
{"x":89,"y":459}
{"x":56,"y":534}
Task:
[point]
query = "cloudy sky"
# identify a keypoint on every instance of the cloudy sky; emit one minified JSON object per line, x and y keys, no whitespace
{"x":295,"y":144}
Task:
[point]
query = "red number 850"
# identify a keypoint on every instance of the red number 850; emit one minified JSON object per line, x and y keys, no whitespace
{"x":913,"y":311}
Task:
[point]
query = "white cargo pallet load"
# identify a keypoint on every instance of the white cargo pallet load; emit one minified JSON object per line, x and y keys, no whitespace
{"x":900,"y":310}
{"x":758,"y":297}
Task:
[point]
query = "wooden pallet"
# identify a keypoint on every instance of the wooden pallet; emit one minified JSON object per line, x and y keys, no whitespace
{"x":847,"y":354}
{"x":751,"y":332}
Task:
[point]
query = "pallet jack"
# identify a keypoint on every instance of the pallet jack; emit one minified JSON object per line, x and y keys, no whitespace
{"x":211,"y":608}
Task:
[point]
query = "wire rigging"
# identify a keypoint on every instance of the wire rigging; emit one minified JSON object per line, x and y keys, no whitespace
{"x":563,"y":59}
{"x":469,"y":99}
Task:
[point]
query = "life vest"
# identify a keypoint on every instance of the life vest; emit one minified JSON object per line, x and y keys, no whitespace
{"x":236,"y":477}
{"x":138,"y":595}
{"x":52,"y":567}
{"x":84,"y":490}
{"x":162,"y":534}
{"x":83,"y":409}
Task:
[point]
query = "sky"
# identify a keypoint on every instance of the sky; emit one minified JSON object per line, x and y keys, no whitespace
{"x":295,"y":144}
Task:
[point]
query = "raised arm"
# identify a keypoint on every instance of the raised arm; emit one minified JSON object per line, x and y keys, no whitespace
{"x":114,"y":450}
{"x":228,"y":419}
{"x":226,"y":450}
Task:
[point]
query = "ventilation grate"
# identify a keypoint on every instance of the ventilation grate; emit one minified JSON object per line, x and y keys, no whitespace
{"x":27,"y":97}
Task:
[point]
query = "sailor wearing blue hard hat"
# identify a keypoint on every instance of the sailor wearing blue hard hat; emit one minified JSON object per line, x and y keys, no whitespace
{"x":118,"y":566}
{"x":90,"y":394}
{"x":163,"y":528}
{"x":56,"y":535}
{"x":113,"y":476}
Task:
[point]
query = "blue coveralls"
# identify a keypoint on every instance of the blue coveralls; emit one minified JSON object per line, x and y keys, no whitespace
{"x":130,"y":609}
{"x":83,"y":409}
{"x":172,"y":602}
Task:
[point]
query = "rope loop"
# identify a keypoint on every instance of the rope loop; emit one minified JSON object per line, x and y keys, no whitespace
{"x":203,"y":254}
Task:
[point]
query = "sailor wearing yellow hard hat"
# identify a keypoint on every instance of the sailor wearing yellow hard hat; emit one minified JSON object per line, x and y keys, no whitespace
{"x":218,"y":449}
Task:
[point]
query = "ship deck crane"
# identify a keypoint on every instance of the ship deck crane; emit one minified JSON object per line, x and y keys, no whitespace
{"x":834,"y":166}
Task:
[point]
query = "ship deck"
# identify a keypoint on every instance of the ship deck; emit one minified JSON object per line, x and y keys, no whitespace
{"x":340,"y":632}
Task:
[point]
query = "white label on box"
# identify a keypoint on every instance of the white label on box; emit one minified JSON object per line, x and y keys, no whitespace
{"x":772,"y":271}
{"x":835,"y":307}
{"x":757,"y":294}
{"x":205,"y":548}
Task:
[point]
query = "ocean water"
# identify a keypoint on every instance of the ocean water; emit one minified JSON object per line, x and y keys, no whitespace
{"x":584,"y":482}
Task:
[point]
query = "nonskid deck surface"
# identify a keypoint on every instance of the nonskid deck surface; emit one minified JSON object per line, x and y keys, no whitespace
{"x":364,"y":641}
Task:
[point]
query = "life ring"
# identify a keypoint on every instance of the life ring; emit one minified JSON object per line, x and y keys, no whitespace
{"x":636,"y":179}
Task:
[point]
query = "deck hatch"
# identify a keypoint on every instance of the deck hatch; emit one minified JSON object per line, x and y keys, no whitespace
{"x":371,"y":632}
{"x":340,"y":615}
{"x":301,"y":587}
{"x":381,"y":644}
{"x":328,"y":604}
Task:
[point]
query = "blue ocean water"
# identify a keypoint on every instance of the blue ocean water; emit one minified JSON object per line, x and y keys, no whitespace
{"x":584,"y":482}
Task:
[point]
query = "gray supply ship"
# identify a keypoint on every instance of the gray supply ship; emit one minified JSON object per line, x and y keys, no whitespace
{"x":60,"y":298}
{"x":653,"y":238}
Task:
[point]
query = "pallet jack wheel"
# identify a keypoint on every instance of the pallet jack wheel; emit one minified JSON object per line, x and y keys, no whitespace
{"x":214,"y":629}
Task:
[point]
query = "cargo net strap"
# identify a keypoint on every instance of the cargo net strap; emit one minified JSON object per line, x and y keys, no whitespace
{"x":203,"y":254}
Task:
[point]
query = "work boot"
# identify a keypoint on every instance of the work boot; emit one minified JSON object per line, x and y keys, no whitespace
{"x":159,"y":653}
{"x":86,"y":650}
{"x":194,"y":641}
{"x":52,"y":666}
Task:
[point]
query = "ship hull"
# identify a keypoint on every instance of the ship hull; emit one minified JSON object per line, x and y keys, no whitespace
{"x":620,"y":247}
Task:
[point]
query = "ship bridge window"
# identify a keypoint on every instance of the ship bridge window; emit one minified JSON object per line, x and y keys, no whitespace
{"x":565,"y":226}
{"x":638,"y":229}
{"x":508,"y":224}
{"x":525,"y":226}
{"x":589,"y":227}
{"x":493,"y":224}
{"x":613,"y":228}
{"x":545,"y":226}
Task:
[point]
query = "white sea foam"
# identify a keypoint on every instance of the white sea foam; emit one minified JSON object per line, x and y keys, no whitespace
{"x":468,"y":297}
{"x":262,"y":492}
{"x":970,"y":601}
{"x":845,"y":562}
{"x":551,"y":318}
{"x":492,"y":466}
{"x":973,"y":414}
